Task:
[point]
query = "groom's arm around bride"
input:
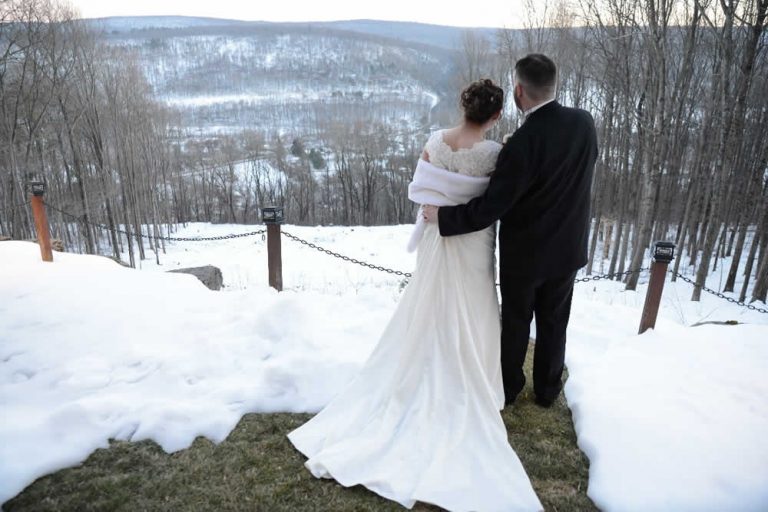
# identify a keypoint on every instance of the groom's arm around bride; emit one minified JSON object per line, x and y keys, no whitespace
{"x":540,"y":191}
{"x":541,"y":185}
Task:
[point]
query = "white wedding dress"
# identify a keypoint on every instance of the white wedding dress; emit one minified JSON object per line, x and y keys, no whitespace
{"x":421,"y":422}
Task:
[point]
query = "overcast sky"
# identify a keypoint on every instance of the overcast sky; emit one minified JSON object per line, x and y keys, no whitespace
{"x":463,"y":13}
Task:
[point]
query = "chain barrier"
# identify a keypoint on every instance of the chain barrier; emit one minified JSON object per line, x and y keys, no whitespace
{"x":166,"y":238}
{"x":721,"y":295}
{"x":407,"y":275}
{"x":605,"y":276}
{"x":610,"y":276}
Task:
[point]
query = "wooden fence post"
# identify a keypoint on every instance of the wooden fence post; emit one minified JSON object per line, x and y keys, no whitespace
{"x":41,"y":220}
{"x":663,"y":254}
{"x":272,"y":216}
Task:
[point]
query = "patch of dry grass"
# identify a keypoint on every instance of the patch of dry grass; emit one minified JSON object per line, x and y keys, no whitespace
{"x":257,"y":469}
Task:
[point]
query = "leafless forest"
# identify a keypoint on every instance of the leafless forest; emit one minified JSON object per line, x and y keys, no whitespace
{"x":678,"y":89}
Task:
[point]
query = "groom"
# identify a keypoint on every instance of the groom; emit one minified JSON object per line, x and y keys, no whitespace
{"x":540,"y":190}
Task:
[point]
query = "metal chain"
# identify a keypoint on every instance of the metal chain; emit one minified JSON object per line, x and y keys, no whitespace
{"x":603,"y":276}
{"x":407,"y":275}
{"x":721,"y":295}
{"x":166,"y":238}
{"x":609,"y":276}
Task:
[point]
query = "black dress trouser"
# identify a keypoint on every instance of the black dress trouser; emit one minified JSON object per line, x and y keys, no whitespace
{"x":550,"y":300}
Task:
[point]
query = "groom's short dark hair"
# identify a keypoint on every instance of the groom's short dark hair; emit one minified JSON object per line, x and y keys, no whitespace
{"x":538,"y":76}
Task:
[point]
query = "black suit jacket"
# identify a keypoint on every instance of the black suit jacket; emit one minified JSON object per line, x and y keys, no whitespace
{"x":540,"y":190}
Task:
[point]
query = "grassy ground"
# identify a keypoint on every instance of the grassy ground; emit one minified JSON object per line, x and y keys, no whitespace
{"x":257,"y":469}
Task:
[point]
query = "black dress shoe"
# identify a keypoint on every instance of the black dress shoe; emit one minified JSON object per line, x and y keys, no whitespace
{"x":545,"y":402}
{"x":509,"y":398}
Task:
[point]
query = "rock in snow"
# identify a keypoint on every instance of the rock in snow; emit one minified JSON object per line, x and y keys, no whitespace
{"x":209,"y":275}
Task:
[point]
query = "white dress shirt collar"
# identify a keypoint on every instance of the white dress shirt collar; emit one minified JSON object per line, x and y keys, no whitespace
{"x":537,"y":107}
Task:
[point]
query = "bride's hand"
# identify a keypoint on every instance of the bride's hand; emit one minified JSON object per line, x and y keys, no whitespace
{"x":429,"y":213}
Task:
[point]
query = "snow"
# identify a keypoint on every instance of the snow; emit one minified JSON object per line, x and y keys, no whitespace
{"x":92,"y":350}
{"x":434,"y":99}
{"x":674,"y":419}
{"x":251,"y":99}
{"x":276,"y":96}
{"x":249,"y":79}
{"x":265,"y":170}
{"x":243,"y":261}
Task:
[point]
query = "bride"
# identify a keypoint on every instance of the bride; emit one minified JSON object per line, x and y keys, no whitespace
{"x":421,"y":422}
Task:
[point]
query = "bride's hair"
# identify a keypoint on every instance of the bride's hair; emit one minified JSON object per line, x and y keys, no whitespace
{"x":481,"y":100}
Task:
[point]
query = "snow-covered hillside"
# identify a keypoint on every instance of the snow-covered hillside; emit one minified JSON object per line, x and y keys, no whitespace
{"x":674,"y":419}
{"x":285,"y":77}
{"x":444,"y":37}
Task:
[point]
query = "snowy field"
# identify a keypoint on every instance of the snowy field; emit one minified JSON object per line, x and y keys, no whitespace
{"x":673,"y":420}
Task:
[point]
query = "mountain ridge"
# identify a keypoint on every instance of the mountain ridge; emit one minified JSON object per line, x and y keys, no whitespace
{"x":441,"y":36}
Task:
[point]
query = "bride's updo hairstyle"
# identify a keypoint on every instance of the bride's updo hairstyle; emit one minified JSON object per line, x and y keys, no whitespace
{"x":481,"y":100}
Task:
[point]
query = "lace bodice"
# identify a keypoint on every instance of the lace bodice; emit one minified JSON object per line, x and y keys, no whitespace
{"x":479,"y":160}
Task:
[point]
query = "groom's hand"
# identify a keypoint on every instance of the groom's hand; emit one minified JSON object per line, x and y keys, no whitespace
{"x":429,"y":212}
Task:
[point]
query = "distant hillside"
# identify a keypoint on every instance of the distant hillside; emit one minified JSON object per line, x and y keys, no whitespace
{"x":128,"y":23}
{"x":300,"y":78}
{"x":446,"y":37}
{"x":435,"y":35}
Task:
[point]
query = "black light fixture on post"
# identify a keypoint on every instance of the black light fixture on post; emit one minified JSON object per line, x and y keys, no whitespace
{"x":273,"y":217}
{"x":663,"y":254}
{"x":37,"y":188}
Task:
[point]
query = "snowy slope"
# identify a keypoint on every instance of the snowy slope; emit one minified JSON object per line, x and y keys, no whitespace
{"x":298,"y":77}
{"x":671,"y":420}
{"x":446,"y":37}
{"x":91,"y":350}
